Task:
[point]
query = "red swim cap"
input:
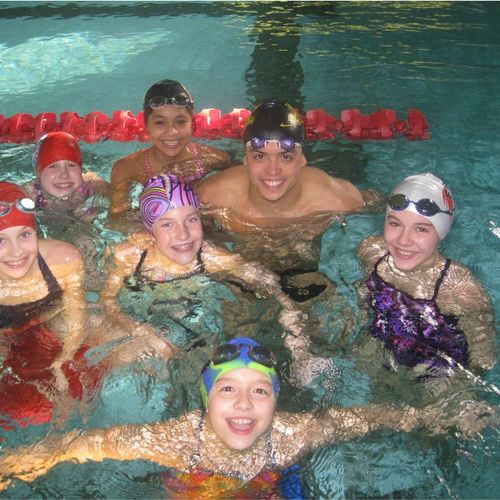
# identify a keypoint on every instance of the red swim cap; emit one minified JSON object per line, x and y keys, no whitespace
{"x":10,"y":193}
{"x":53,"y":147}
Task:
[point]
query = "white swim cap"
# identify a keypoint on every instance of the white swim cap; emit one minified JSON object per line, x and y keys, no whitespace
{"x":425,"y":195}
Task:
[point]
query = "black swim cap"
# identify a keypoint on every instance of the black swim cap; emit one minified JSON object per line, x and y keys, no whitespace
{"x":275,"y":120}
{"x":173,"y":92}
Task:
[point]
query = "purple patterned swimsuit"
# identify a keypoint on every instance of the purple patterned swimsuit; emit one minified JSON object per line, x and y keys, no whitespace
{"x":415,"y":330}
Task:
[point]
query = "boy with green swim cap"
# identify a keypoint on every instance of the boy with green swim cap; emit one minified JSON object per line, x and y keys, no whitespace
{"x":238,"y":443}
{"x":241,"y":352}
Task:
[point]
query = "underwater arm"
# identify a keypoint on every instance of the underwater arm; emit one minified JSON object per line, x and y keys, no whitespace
{"x":297,"y":434}
{"x":476,"y":319}
{"x":138,"y":338}
{"x":261,"y":281}
{"x":71,"y":281}
{"x":163,"y":443}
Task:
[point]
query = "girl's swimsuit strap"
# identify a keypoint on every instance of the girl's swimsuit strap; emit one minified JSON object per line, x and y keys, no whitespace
{"x":50,"y":279}
{"x":147,"y":164}
{"x":138,"y":267}
{"x":441,"y":278}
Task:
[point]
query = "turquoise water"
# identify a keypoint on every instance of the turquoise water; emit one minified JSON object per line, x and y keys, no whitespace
{"x":440,"y":57}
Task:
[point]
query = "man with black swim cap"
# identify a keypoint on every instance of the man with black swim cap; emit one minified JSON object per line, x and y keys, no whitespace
{"x":274,"y":181}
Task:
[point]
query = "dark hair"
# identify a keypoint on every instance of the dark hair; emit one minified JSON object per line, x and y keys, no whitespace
{"x":275,"y":120}
{"x":165,"y":88}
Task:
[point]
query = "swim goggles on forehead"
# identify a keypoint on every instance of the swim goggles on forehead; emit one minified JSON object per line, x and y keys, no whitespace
{"x":229,"y":352}
{"x":26,"y":205}
{"x":425,"y":206}
{"x":178,"y":99}
{"x":286,"y":144}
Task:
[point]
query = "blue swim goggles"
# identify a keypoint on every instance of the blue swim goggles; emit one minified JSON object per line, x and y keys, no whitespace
{"x":180,"y":99}
{"x":26,"y":205}
{"x":425,"y":206}
{"x":229,"y":352}
{"x":286,"y":144}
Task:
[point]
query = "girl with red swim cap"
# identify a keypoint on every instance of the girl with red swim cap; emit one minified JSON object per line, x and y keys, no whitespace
{"x":60,"y":183}
{"x":168,"y":115}
{"x":68,"y":200}
{"x":41,"y":314}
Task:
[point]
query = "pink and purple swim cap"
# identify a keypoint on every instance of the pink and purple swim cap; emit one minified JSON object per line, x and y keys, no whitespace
{"x":161,"y":194}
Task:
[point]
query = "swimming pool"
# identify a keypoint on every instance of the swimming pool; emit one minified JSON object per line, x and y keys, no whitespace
{"x":440,"y":57}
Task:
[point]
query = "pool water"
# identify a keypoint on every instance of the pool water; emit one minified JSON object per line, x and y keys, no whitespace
{"x":440,"y":57}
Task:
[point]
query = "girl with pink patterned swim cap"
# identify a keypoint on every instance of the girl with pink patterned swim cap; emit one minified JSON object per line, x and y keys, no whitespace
{"x":430,"y":313}
{"x":173,"y":249}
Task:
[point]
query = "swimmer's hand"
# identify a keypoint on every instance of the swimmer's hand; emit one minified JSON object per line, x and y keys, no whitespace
{"x":293,"y":321}
{"x":27,"y":463}
{"x":470,"y":418}
{"x":306,"y":368}
{"x":61,"y":382}
{"x":145,"y":343}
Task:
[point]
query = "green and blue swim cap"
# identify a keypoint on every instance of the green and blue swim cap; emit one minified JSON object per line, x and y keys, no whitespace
{"x":275,"y":121}
{"x":242,"y":352}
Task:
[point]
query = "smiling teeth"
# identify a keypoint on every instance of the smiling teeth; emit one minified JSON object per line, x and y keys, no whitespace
{"x":185,"y":246}
{"x":18,"y":263}
{"x":273,"y":183}
{"x":241,"y":421}
{"x":405,"y":253}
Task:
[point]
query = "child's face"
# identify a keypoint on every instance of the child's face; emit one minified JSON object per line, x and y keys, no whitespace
{"x":61,"y":178}
{"x":411,"y":239}
{"x":18,"y":251}
{"x":170,"y":129}
{"x":272,"y":172}
{"x":179,"y":234}
{"x":241,"y":407}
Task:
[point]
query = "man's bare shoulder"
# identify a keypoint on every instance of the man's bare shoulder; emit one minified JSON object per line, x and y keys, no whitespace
{"x":331,"y":193}
{"x":223,"y":188}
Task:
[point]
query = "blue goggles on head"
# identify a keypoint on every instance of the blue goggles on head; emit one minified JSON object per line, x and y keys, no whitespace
{"x":425,"y":206}
{"x":229,"y":352}
{"x":26,"y":205}
{"x":286,"y":144}
{"x":180,"y":99}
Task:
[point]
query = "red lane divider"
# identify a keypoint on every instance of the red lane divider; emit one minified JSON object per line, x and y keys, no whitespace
{"x":124,"y":126}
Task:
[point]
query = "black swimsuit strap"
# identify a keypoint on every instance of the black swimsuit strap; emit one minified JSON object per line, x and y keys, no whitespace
{"x":52,"y":284}
{"x":138,"y":267}
{"x":200,"y":262}
{"x":441,"y":278}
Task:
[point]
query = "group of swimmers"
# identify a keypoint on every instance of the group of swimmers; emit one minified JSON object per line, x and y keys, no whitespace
{"x":430,"y":315}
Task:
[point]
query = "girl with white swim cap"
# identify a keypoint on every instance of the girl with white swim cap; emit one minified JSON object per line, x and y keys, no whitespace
{"x":430,"y":313}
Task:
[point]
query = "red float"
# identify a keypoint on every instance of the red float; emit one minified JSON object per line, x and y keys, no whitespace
{"x":124,"y":126}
